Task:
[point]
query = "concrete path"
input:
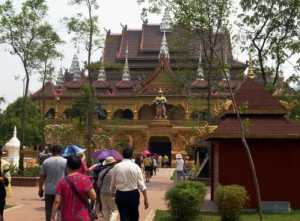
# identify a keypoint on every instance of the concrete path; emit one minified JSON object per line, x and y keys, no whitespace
{"x":29,"y":207}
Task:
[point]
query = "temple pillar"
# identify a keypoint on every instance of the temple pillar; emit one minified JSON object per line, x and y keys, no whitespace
{"x":109,"y":114}
{"x":187,"y":112}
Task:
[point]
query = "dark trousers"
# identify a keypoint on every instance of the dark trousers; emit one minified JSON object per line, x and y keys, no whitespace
{"x":49,"y":200}
{"x":2,"y":206}
{"x":128,"y":205}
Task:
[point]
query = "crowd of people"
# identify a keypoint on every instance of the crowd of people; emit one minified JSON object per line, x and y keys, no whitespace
{"x":109,"y":188}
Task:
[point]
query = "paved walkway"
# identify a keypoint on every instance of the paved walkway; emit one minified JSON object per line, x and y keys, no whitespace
{"x":30,"y":207}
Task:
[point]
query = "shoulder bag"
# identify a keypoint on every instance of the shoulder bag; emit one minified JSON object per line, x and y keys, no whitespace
{"x":92,"y":213}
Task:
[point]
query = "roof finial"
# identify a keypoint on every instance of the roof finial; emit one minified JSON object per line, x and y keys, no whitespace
{"x":102,"y":74}
{"x":75,"y":68}
{"x":126,"y":74}
{"x":165,"y":25}
{"x":250,"y":73}
{"x":164,"y":49}
{"x":200,"y":71}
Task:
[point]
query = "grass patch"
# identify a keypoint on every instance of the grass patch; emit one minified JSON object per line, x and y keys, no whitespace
{"x":293,"y":216}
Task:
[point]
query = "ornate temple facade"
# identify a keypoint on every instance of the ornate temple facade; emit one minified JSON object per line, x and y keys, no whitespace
{"x":137,"y":67}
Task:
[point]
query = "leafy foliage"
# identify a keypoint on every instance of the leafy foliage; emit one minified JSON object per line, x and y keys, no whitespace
{"x":11,"y":117}
{"x":230,"y":200}
{"x":25,"y":32}
{"x":272,"y":29}
{"x":185,"y":200}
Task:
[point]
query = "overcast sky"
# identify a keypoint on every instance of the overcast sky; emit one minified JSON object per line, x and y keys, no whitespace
{"x":111,"y":13}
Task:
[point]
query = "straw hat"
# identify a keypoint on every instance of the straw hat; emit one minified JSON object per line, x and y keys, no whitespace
{"x":109,"y":160}
{"x":178,"y":156}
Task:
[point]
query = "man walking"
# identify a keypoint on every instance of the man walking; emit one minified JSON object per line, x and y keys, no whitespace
{"x":52,"y":170}
{"x":127,"y":181}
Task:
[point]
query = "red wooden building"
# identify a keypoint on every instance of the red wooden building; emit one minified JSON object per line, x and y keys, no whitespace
{"x":274,"y":142}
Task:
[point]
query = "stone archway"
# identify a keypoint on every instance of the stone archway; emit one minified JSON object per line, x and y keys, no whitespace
{"x":50,"y":114}
{"x":161,"y":145}
{"x":126,"y":114}
{"x":175,"y":112}
{"x":147,"y":112}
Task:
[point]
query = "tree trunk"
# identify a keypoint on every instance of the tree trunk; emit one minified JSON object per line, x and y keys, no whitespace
{"x":23,"y":122}
{"x":90,"y":111}
{"x":247,"y":149}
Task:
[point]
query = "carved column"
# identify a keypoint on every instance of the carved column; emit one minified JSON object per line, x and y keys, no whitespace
{"x":187,"y":112}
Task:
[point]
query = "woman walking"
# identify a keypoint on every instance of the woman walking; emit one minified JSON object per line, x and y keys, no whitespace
{"x":73,"y":192}
{"x":107,"y":197}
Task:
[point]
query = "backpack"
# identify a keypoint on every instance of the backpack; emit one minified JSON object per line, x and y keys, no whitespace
{"x":147,"y":162}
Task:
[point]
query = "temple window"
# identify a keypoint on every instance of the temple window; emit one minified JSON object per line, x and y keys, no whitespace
{"x":147,"y":112}
{"x":50,"y":114}
{"x":175,"y":112}
{"x":123,"y":114}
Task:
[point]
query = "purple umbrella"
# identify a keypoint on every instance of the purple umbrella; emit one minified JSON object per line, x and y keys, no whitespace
{"x":115,"y":154}
{"x":103,"y":154}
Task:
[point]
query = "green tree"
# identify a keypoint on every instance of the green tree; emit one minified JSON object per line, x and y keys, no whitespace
{"x":85,"y":30}
{"x":272,"y":28}
{"x":12,"y":117}
{"x":47,"y":54}
{"x":24,"y":31}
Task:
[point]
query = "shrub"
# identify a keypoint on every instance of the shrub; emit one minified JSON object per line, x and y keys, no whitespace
{"x":230,"y":200}
{"x":185,"y":200}
{"x":28,"y":172}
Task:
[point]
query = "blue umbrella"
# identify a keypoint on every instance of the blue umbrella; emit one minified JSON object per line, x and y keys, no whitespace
{"x":72,"y":150}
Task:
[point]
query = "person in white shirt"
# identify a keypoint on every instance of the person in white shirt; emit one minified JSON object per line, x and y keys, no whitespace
{"x":127,"y":180}
{"x":179,"y":168}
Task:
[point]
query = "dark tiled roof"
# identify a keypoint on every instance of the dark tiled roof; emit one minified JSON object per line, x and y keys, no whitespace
{"x":124,"y":85}
{"x":48,"y":92}
{"x":252,"y":98}
{"x":101,"y":84}
{"x":258,"y":127}
{"x":199,"y":84}
{"x":262,"y":114}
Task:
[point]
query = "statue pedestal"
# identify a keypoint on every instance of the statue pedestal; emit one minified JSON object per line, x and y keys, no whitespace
{"x":160,"y":123}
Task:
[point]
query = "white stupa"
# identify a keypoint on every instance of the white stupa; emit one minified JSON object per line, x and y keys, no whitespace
{"x":13,"y":149}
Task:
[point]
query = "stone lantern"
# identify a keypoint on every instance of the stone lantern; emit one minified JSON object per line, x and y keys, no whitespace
{"x":13,"y":149}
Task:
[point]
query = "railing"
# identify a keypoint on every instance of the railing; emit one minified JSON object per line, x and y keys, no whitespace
{"x":187,"y":123}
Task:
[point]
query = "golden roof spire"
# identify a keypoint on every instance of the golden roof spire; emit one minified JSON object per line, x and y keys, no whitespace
{"x":250,"y":72}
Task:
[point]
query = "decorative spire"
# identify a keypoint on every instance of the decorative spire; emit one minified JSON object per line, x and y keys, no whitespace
{"x":165,"y":25}
{"x":126,"y":74}
{"x":250,"y":73}
{"x":164,"y":49}
{"x":60,"y":78}
{"x":200,"y":71}
{"x":102,"y":74}
{"x":75,"y":68}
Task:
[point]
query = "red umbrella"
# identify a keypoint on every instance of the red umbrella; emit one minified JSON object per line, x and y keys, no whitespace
{"x":146,"y":153}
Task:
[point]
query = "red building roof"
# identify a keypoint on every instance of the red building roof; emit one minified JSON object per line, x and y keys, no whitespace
{"x":262,"y":115}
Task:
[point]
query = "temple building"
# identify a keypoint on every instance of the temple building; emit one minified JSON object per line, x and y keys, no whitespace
{"x":137,"y":67}
{"x":274,"y":142}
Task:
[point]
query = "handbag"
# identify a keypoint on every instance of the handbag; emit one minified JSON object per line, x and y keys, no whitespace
{"x":92,"y":214}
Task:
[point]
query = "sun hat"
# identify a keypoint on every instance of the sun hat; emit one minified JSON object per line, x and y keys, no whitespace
{"x":178,"y":156}
{"x":109,"y":160}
